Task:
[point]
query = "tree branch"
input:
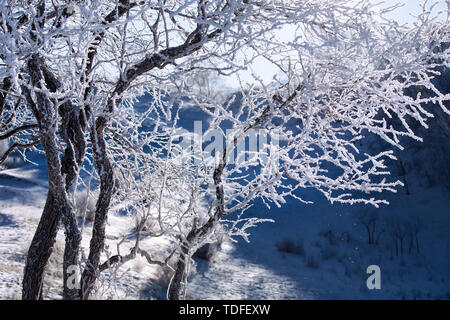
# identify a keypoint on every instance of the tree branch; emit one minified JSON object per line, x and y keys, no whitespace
{"x":18,"y":129}
{"x":6,"y":85}
{"x":17,"y":145}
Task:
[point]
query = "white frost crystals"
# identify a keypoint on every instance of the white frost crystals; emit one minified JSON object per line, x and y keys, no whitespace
{"x":343,"y":75}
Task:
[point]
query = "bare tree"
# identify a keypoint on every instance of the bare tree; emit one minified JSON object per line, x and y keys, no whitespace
{"x":370,"y":221}
{"x":71,"y":72}
{"x":414,"y":227}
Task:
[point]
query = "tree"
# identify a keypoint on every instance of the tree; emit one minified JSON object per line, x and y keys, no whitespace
{"x":72,"y":70}
{"x":369,"y":221}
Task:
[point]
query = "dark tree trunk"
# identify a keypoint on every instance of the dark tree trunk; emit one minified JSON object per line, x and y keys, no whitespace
{"x":402,"y":173}
{"x":40,"y":250}
{"x":44,"y":238}
{"x":106,"y":173}
{"x":177,"y":284}
{"x":57,"y":204}
{"x":177,"y":287}
{"x":369,"y":235}
{"x":45,"y":235}
{"x":401,"y":245}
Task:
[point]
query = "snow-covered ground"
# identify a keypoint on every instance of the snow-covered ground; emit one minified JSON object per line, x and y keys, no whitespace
{"x":334,"y":256}
{"x":22,"y":197}
{"x":329,"y":261}
{"x":317,"y":251}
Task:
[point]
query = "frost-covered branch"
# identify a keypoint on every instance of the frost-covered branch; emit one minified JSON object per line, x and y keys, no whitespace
{"x":109,"y":82}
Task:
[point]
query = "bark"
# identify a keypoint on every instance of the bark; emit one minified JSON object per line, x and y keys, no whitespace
{"x":57,"y":203}
{"x":42,"y":246}
{"x":6,"y":85}
{"x":73,"y":127}
{"x":158,"y":60}
{"x":177,"y":287}
{"x":45,"y":235}
{"x":106,"y":173}
{"x":40,"y":250}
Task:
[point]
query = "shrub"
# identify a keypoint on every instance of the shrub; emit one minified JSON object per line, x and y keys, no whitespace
{"x":330,"y":236}
{"x":347,"y":237}
{"x":84,"y":205}
{"x":289,"y":245}
{"x":207,"y":252}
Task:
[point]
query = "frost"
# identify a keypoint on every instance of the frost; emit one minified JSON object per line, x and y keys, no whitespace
{"x":71,"y":76}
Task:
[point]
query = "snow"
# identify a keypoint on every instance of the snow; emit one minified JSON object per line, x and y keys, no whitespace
{"x":341,"y":276}
{"x":233,"y":276}
{"x":256,"y":270}
{"x":335,"y":250}
{"x":22,"y":197}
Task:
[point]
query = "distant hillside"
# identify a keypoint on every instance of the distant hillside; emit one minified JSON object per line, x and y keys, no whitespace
{"x":427,"y":163}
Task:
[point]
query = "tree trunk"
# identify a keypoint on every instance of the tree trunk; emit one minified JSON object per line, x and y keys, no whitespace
{"x":177,"y":286}
{"x":106,"y":173}
{"x":41,"y":246}
{"x":40,"y":250}
{"x":402,"y":172}
{"x":416,"y":236}
{"x":401,"y":246}
{"x":369,"y":235}
{"x":45,"y":113}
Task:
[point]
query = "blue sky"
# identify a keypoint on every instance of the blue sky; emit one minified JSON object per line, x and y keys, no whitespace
{"x":409,"y":6}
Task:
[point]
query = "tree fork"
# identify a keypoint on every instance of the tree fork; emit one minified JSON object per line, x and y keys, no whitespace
{"x":44,"y":238}
{"x":106,"y":173}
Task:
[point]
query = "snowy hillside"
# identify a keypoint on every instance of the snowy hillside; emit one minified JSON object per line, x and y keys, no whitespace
{"x":317,"y":251}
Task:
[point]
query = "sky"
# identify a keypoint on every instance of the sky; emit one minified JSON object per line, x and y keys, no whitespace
{"x":402,"y":15}
{"x":410,"y":6}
